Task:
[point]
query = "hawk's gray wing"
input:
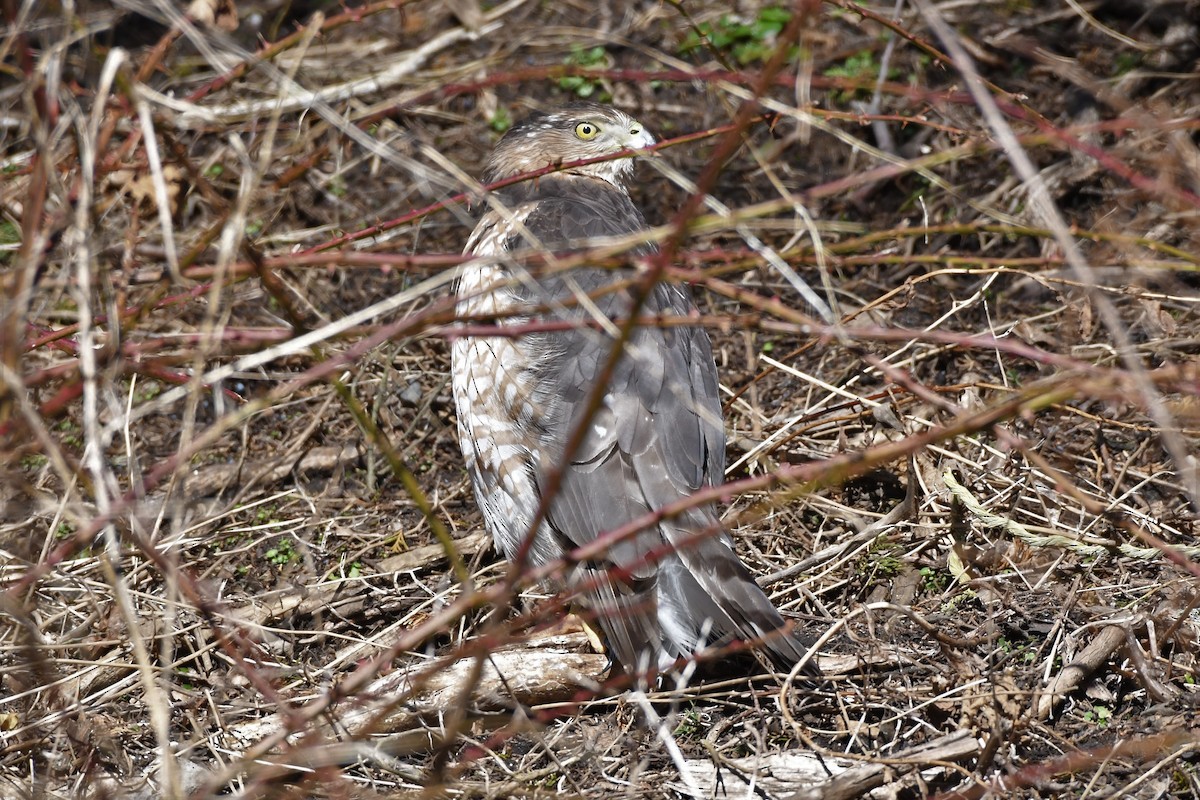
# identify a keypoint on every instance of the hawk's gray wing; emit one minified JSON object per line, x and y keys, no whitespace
{"x":657,"y":438}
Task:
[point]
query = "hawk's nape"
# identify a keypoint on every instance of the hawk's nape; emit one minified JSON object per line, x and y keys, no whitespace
{"x":658,"y":435}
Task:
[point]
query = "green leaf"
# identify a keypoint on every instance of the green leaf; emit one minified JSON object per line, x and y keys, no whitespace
{"x":501,"y":120}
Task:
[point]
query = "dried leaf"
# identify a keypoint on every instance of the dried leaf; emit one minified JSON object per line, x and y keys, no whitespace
{"x":139,"y":186}
{"x":1158,"y":320}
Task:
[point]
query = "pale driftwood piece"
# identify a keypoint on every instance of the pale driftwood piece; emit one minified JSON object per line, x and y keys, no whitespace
{"x":803,"y":775}
{"x":550,"y":670}
{"x":547,"y":669}
{"x":859,"y":780}
{"x":216,"y":478}
{"x":309,"y":600}
{"x":1090,"y":659}
{"x":877,"y":658}
{"x":430,"y":554}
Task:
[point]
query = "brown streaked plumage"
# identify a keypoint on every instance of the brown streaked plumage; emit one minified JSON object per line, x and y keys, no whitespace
{"x":658,"y":436}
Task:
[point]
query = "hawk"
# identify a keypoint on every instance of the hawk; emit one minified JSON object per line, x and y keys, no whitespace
{"x":658,"y":435}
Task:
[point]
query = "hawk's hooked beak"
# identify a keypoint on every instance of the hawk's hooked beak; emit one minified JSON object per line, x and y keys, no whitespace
{"x":637,"y":140}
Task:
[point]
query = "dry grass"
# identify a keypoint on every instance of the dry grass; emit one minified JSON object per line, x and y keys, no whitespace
{"x":952,"y":284}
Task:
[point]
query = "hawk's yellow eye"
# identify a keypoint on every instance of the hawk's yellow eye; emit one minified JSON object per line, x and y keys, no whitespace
{"x":586,"y":131}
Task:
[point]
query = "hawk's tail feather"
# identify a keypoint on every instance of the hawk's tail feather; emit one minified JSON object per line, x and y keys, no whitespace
{"x":628,"y":617}
{"x":699,"y":599}
{"x":752,"y":617}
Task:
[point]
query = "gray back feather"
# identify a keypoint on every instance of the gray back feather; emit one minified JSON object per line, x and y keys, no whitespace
{"x":657,"y":438}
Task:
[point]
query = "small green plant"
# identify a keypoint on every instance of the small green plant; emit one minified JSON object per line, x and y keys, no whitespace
{"x":501,"y":120}
{"x":345,"y":571}
{"x":147,"y":391}
{"x":230,"y":542}
{"x":1125,"y":63}
{"x":34,"y":461}
{"x":282,"y":553}
{"x":862,"y":66}
{"x":10,"y":237}
{"x":266,"y":514}
{"x":888,"y":566}
{"x":582,"y":85}
{"x":1100,"y":715}
{"x":71,"y":435}
{"x":883,"y":559}
{"x":215,"y":171}
{"x":748,"y":40}
{"x":1182,"y":780}
{"x":961,"y":597}
{"x":934,"y":581}
{"x":882,"y":562}
{"x":692,"y":725}
{"x":1017,"y":651}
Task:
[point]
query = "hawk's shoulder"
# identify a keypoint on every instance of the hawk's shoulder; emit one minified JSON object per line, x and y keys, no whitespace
{"x":568,"y":212}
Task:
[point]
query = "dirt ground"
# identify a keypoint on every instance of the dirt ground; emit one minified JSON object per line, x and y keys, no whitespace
{"x":952,"y":282}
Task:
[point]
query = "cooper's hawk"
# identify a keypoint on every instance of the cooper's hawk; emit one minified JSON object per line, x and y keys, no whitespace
{"x":656,"y":438}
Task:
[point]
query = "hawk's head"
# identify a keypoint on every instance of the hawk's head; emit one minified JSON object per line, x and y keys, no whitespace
{"x":571,"y":133}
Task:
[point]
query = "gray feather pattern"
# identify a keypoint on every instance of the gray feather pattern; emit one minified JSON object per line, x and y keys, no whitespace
{"x":658,"y":438}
